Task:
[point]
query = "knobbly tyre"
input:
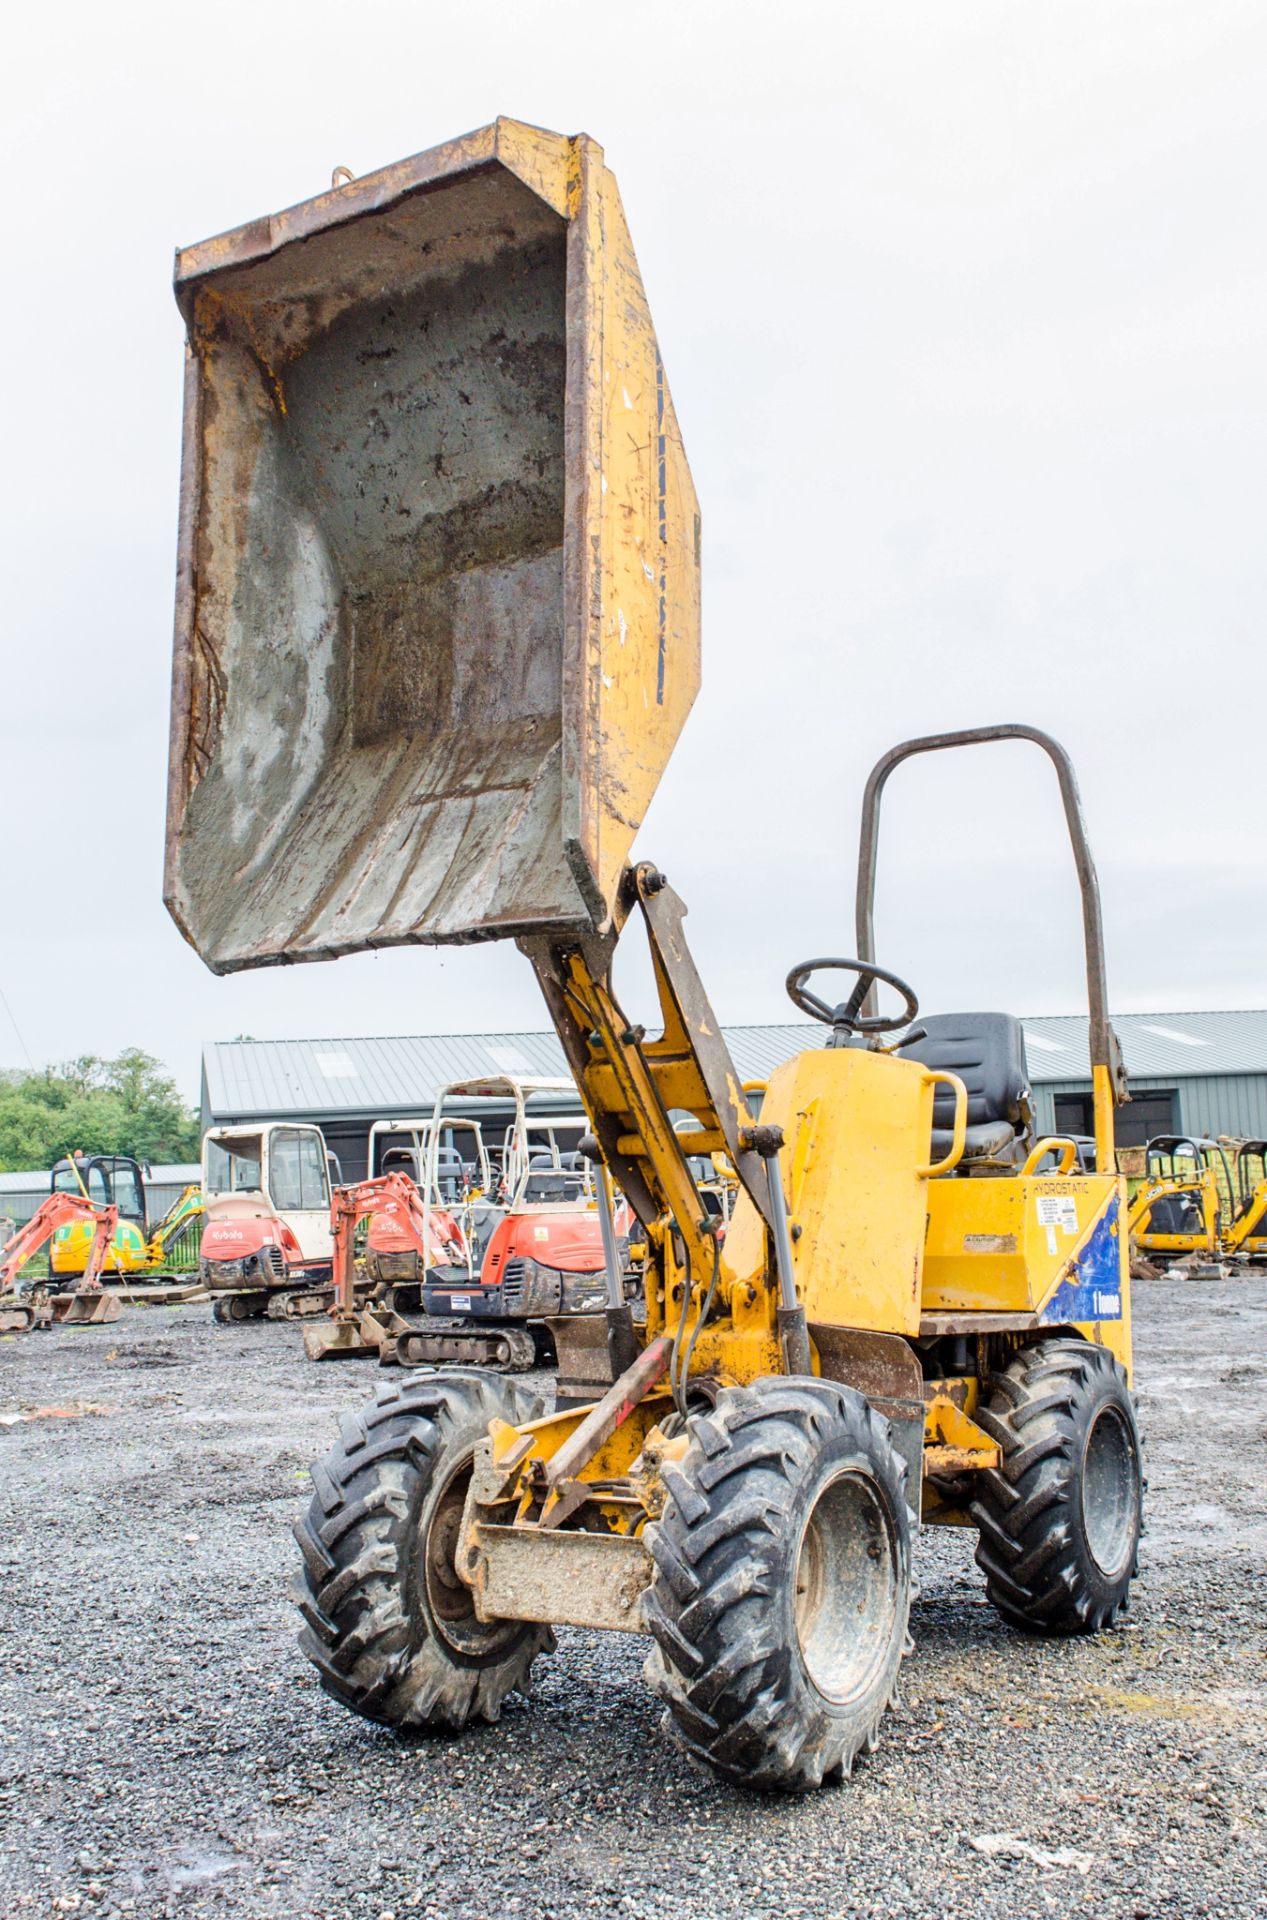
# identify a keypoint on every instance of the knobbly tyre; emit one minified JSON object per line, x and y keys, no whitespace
{"x":459,"y":687}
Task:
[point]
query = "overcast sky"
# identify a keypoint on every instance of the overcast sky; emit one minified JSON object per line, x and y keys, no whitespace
{"x":963,"y":309}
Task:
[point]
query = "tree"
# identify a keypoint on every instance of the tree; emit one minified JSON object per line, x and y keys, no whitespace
{"x":126,"y":1105}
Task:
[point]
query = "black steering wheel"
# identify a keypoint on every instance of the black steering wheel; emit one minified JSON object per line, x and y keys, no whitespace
{"x":845,"y":1015}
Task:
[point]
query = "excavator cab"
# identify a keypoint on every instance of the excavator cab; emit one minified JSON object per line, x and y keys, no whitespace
{"x":536,"y":1259}
{"x":1179,"y":1210}
{"x":108,"y":1180}
{"x":455,"y":1180}
{"x":266,"y":1247}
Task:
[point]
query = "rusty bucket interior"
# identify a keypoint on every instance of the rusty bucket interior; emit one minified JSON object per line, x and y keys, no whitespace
{"x":438,"y":605}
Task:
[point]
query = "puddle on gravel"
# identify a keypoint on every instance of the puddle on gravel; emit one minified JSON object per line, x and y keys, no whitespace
{"x":195,"y":1868}
{"x":146,"y":1356}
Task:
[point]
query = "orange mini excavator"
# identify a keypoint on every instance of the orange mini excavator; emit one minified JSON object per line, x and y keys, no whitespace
{"x":38,"y":1305}
{"x":403,"y":1221}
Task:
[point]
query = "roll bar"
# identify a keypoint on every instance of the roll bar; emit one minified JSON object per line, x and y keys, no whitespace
{"x":1108,"y":1073}
{"x":1197,"y":1147}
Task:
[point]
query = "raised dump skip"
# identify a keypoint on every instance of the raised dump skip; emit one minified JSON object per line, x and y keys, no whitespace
{"x":438,"y":607}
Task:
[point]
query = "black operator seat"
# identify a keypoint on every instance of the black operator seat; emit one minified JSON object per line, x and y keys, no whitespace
{"x":449,"y":1173}
{"x":987,"y":1051}
{"x":1174,"y":1213}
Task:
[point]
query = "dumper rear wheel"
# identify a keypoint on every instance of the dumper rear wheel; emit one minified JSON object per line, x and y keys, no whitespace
{"x":388,"y":1623}
{"x":1059,"y":1521}
{"x":781,"y":1591}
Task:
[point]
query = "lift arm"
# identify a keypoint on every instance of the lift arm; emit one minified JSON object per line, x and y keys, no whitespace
{"x":631,"y":1084}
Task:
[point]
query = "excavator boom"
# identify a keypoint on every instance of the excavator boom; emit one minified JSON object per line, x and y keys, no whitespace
{"x":355,"y":1327}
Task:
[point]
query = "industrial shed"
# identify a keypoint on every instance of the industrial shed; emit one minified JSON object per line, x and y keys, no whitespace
{"x":1190,"y":1073}
{"x":1196,"y":1073}
{"x":343,"y":1085}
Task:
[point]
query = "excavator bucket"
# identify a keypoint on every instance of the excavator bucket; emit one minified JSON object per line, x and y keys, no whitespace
{"x":366,"y":1333}
{"x":84,"y":1307}
{"x":437,"y":624}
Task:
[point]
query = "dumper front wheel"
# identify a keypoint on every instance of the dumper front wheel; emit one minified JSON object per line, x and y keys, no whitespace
{"x":781,"y":1591}
{"x":1059,"y":1520}
{"x":388,"y":1624}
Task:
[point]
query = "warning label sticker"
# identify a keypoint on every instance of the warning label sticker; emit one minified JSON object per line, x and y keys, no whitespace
{"x":1057,"y":1210}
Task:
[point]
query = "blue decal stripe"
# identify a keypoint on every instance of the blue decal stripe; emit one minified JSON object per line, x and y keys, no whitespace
{"x":1094,"y":1289}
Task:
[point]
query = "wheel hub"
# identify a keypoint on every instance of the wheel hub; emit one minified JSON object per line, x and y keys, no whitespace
{"x":846,"y":1587}
{"x":449,"y":1598}
{"x":1110,"y":1492}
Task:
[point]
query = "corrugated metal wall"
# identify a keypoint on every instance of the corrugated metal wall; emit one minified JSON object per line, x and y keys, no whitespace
{"x":1230,"y":1103}
{"x":1045,"y":1100}
{"x":1211,"y":1104}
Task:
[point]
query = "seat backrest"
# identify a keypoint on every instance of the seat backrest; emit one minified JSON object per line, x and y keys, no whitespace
{"x":1174,"y":1213}
{"x":987,"y":1051}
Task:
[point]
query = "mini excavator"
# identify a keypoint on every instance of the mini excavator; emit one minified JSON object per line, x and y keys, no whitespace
{"x":85,"y":1301}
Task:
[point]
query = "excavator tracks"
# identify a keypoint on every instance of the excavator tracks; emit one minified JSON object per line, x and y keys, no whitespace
{"x":20,"y":1316}
{"x":83,"y":1307}
{"x":436,"y":1343}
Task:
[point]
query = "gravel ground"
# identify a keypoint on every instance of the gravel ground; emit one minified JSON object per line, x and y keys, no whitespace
{"x":164,"y":1749}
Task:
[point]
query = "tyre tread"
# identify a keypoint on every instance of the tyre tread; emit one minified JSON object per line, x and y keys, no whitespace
{"x":732,"y":1690}
{"x":1038,"y":1575}
{"x":355,"y":1541}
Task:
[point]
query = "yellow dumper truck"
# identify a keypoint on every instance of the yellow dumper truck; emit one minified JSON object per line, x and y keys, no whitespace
{"x":437,"y":634}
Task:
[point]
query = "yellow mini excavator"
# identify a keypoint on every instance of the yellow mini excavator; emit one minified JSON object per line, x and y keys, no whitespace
{"x":1178,"y":1212}
{"x":1246,"y":1236}
{"x":137,"y":1247}
{"x":437,"y":634}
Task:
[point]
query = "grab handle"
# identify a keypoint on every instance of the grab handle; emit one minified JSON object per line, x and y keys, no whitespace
{"x":933,"y":1077}
{"x":1053,"y":1143}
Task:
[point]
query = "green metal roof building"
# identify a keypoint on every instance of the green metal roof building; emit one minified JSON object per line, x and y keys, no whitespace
{"x":1203,"y":1073}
